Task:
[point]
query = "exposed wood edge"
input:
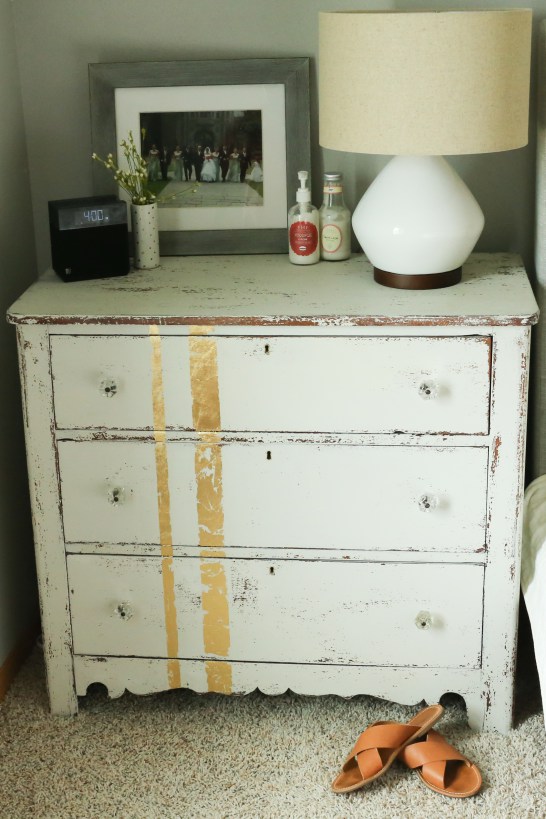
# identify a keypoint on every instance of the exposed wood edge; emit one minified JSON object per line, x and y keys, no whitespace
{"x":287,"y":321}
{"x":16,"y":658}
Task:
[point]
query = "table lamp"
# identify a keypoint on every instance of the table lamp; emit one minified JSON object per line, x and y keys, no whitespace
{"x":418,"y":85}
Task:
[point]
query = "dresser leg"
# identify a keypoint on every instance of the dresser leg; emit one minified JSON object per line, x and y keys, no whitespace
{"x":475,"y":711}
{"x":487,"y":713}
{"x":61,"y":688}
{"x":67,"y":708}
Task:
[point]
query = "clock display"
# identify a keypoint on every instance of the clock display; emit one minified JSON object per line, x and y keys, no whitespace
{"x":95,"y":216}
{"x":93,"y":212}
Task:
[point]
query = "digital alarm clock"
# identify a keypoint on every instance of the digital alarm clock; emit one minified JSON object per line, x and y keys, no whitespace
{"x":89,"y":237}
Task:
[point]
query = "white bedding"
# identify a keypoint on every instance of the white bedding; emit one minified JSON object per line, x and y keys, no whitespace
{"x":533,"y":570}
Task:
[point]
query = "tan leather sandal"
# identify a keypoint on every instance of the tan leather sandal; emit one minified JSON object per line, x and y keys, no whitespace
{"x":378,"y":746}
{"x":442,"y":768}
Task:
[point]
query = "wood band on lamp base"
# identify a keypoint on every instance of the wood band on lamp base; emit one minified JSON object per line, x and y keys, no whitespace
{"x":418,"y":281}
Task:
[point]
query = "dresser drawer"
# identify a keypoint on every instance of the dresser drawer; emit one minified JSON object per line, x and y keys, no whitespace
{"x":289,"y":384}
{"x":282,"y":495}
{"x":280,"y":611}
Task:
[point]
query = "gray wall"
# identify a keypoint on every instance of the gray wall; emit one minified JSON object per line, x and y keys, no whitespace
{"x":58,"y":38}
{"x":18,"y":269}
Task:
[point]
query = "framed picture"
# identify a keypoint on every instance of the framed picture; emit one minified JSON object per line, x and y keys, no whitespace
{"x":223,"y":139}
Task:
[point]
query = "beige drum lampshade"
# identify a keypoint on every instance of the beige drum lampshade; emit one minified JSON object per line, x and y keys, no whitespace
{"x":426,"y":83}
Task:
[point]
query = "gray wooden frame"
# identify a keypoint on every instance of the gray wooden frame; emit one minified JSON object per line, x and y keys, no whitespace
{"x":104,"y":78}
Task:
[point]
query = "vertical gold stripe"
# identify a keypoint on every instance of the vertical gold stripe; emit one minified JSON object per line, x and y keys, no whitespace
{"x":210,"y":510}
{"x":208,"y":474}
{"x":163,"y":495}
{"x":219,"y":677}
{"x":164,"y":511}
{"x":173,"y":674}
{"x":158,"y":400}
{"x":216,"y":637}
{"x":171,"y":626}
{"x":204,"y":384}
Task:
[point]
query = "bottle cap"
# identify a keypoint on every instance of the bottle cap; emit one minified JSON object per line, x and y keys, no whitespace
{"x":333,"y":176}
{"x":303,"y":194}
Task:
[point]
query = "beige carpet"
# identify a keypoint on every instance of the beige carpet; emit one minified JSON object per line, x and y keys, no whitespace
{"x":183,"y":755}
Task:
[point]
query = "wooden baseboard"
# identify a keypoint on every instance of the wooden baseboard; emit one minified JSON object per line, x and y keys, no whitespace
{"x":16,"y":658}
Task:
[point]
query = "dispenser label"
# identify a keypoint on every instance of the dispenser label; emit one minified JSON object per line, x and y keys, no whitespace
{"x":331,"y":237}
{"x":303,"y":238}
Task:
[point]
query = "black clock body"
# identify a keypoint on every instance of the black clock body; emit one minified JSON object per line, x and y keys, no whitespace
{"x":89,"y":238}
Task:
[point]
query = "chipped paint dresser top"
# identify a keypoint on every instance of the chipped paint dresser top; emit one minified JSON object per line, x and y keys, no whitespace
{"x":268,"y":290}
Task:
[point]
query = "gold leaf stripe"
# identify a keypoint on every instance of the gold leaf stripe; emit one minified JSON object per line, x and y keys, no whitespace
{"x":210,"y":510}
{"x":219,"y":677}
{"x":204,"y":384}
{"x":164,"y":511}
{"x":216,"y":637}
{"x":208,"y":473}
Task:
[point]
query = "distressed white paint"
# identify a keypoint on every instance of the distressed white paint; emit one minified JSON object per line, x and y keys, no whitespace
{"x":250,"y":290}
{"x":405,"y":685}
{"x":326,"y":492}
{"x":502,"y":579}
{"x":367,"y":605}
{"x":328,"y":511}
{"x":36,"y":384}
{"x":355,"y":384}
{"x":107,"y":382}
{"x":271,"y":383}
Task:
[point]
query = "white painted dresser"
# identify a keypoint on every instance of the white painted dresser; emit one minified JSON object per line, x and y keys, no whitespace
{"x":247,"y":474}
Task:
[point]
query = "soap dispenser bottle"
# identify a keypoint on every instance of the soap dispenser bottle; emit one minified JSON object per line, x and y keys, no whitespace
{"x":303,"y":226}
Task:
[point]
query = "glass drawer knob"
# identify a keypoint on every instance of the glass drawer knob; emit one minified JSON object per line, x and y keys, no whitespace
{"x":427,"y":503}
{"x":424,"y":620}
{"x":108,"y":387}
{"x":116,"y":496}
{"x":123,"y":611}
{"x":428,"y":390}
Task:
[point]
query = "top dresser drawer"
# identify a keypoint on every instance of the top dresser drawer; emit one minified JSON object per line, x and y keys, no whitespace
{"x":273,"y":384}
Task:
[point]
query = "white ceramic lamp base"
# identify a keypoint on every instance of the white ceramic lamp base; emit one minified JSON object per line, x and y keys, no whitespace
{"x":417,"y":223}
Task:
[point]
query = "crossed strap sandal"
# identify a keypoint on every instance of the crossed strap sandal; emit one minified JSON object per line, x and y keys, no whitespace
{"x":441,"y":767}
{"x":378,"y":746}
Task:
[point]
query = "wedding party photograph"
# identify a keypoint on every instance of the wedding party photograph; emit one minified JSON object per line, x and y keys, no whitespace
{"x":214,"y":155}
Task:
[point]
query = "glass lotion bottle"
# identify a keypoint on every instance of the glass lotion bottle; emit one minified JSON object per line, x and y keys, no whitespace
{"x":303,"y":226}
{"x":335,"y":220}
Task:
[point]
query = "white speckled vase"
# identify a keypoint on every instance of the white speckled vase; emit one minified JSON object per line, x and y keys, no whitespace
{"x":145,"y":236}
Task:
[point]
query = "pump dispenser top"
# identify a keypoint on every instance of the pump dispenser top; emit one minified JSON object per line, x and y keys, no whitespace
{"x":303,"y":194}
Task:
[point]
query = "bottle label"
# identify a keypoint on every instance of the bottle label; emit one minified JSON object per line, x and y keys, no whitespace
{"x":303,"y":238}
{"x":331,"y":238}
{"x":333,"y":189}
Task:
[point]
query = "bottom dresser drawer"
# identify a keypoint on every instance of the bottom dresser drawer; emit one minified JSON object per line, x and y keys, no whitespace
{"x":291,"y":611}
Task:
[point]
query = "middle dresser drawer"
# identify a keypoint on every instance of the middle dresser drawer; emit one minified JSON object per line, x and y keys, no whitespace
{"x":282,"y":495}
{"x":273,"y":384}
